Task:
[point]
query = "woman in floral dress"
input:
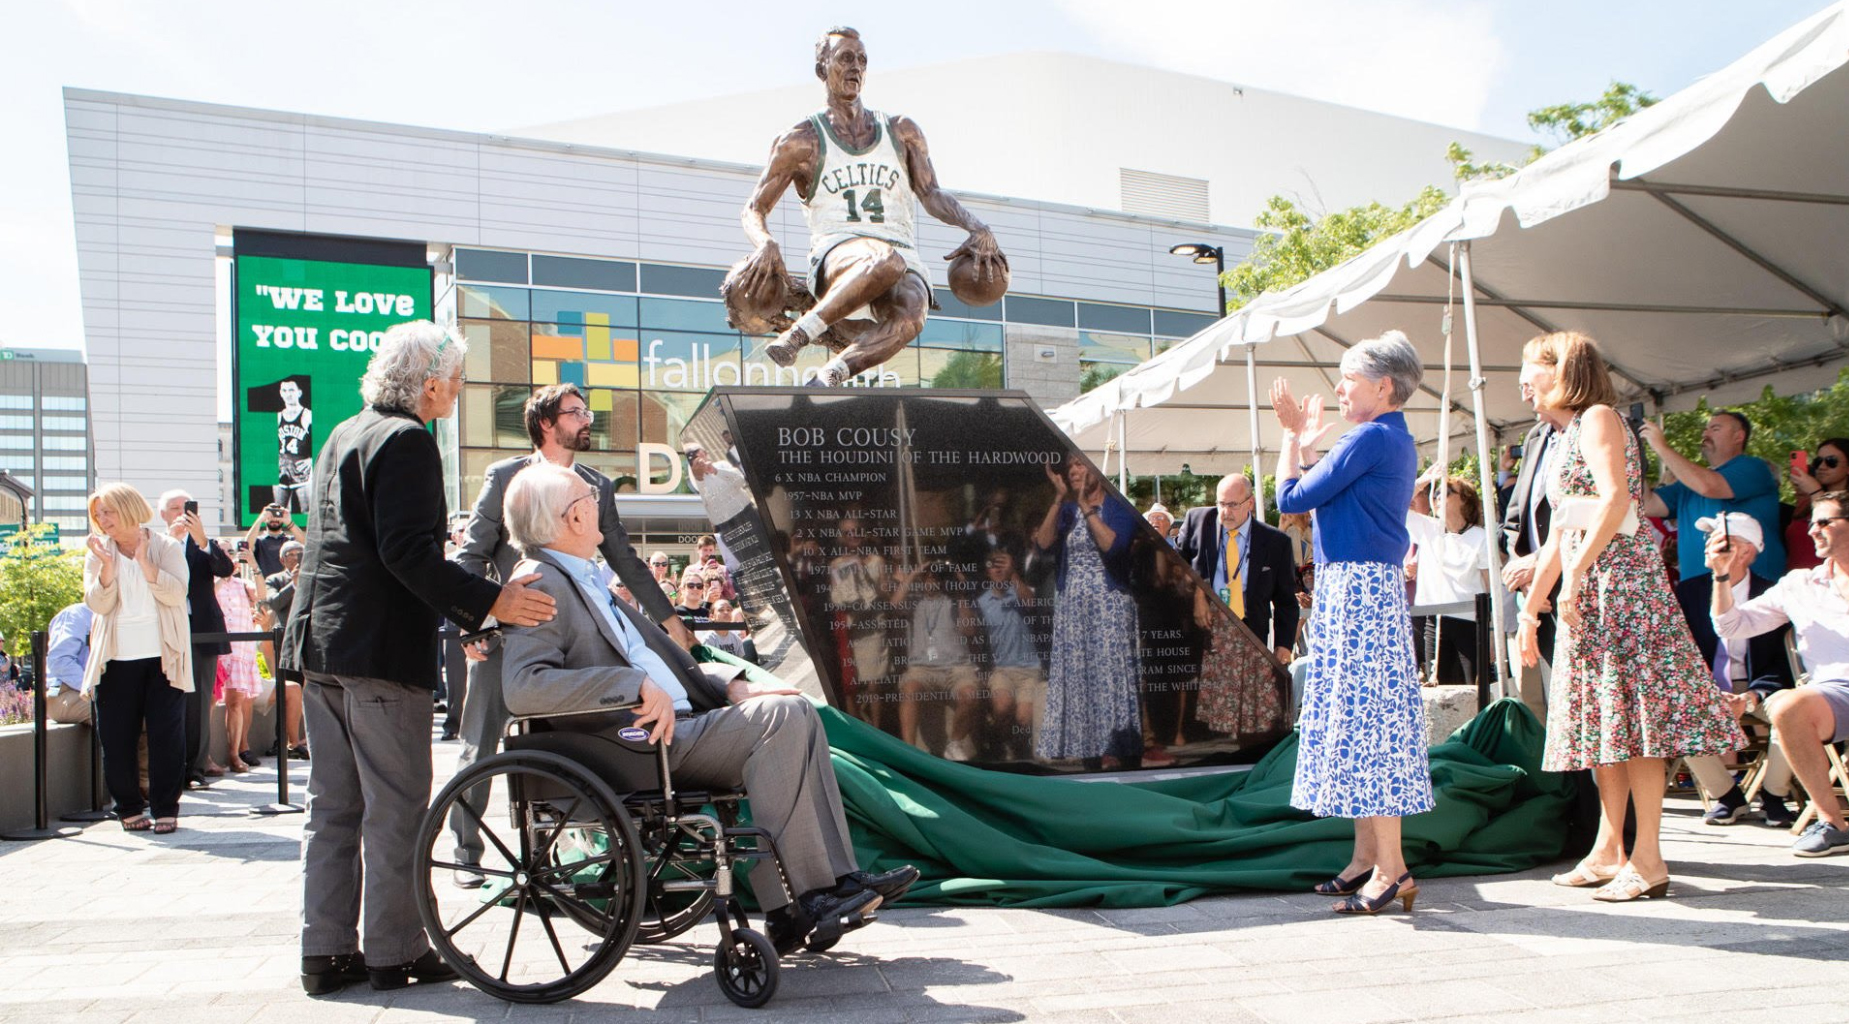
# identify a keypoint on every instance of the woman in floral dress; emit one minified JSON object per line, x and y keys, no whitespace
{"x":1630,"y":690}
{"x":1092,"y":707}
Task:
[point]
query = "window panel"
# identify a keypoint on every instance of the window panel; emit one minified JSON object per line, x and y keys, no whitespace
{"x":584,"y":308}
{"x":62,"y":482}
{"x":15,"y":401}
{"x":498,"y":350}
{"x":1097,"y":316}
{"x":684,"y":361}
{"x":1097,"y":346}
{"x":66,"y":503}
{"x":63,"y":403}
{"x":77,"y":462}
{"x":700,"y":282}
{"x":15,"y":462}
{"x":961,"y":335}
{"x":615,"y":411}
{"x":485,"y":265}
{"x":619,"y":466}
{"x":1181,"y":325}
{"x":575,"y":272}
{"x":15,"y":423}
{"x":942,"y":369}
{"x":491,"y":302}
{"x":1047,"y":312}
{"x":684,"y":315}
{"x":474,"y":470}
{"x":65,"y":444}
{"x":64,"y":423}
{"x":16,"y":442}
{"x":665,"y":414}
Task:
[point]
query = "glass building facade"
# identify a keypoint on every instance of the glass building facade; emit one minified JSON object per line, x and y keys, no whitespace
{"x":45,"y":434}
{"x":646,"y":341}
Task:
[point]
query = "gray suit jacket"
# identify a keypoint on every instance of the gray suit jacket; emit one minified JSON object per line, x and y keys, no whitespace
{"x":488,"y":551}
{"x":576,"y":662}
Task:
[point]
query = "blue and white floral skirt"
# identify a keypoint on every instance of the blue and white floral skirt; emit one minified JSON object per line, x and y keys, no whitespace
{"x":1361,"y":735}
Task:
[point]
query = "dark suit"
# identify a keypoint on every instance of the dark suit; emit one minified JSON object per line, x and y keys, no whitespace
{"x":204,"y":568}
{"x":1768,"y":669}
{"x":1270,"y":575}
{"x":489,"y":552}
{"x":1522,"y":507}
{"x":773,"y":745}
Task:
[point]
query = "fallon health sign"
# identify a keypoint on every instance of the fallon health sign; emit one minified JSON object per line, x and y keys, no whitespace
{"x":305,"y":331}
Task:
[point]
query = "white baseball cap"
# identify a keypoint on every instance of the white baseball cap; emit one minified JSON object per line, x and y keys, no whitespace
{"x":1739,"y":524}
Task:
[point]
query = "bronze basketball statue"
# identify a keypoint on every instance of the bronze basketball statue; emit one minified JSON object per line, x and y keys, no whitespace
{"x":857,"y":172}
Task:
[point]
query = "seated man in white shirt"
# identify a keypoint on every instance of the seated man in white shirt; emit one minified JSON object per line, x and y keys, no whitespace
{"x":1816,"y":603}
{"x":719,"y":729}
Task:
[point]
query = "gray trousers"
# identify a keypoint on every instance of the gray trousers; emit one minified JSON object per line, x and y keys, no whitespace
{"x":484,"y":720}
{"x":366,"y":796}
{"x":775,"y":748}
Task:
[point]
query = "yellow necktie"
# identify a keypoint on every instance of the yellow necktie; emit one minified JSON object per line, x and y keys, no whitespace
{"x":1235,"y":590}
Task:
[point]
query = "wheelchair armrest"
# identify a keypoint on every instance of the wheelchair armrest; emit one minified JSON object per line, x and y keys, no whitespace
{"x":517,"y":725}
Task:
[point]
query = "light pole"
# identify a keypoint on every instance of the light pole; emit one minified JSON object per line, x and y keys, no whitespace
{"x":1203,"y":253}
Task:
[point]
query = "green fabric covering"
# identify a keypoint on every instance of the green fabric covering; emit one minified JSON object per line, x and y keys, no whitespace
{"x":999,"y":839}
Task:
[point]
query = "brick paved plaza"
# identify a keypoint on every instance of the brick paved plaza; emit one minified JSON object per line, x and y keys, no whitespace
{"x":200,"y":928}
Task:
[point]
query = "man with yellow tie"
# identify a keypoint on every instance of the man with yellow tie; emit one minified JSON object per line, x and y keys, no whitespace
{"x":1247,"y":562}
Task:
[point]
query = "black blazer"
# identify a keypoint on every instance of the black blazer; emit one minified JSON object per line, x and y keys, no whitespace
{"x":489,"y":552}
{"x":1513,"y":536}
{"x":1768,"y":669}
{"x":204,"y":568}
{"x":1271,"y":572}
{"x":374,"y":584}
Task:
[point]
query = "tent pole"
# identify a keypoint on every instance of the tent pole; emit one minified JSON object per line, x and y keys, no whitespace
{"x":1486,"y":479}
{"x":1123,"y":454}
{"x":1258,"y":465}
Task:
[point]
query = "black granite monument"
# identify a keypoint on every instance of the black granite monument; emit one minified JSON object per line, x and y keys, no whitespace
{"x":957,"y":574}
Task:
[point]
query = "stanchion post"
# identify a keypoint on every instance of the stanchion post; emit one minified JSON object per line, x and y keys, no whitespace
{"x":1487,"y":633}
{"x":41,"y":808}
{"x":282,"y":804}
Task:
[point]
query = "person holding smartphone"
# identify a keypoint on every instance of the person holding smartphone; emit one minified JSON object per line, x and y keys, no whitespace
{"x":273,"y":529}
{"x":1828,"y":471}
{"x":206,"y":564}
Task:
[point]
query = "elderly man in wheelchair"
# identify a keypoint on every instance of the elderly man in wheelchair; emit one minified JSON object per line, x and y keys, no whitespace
{"x":614,"y":727}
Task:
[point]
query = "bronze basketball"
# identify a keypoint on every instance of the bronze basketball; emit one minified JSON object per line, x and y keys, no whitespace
{"x":967,"y":285}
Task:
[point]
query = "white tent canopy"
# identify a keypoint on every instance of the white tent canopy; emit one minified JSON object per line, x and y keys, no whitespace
{"x":1704,"y":242}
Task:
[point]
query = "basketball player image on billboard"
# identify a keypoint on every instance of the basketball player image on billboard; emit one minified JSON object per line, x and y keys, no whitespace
{"x":858,"y":173}
{"x":295,"y":458}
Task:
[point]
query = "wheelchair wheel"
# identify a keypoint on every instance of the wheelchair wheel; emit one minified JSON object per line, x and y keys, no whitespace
{"x":746,"y":968}
{"x":564,"y":871}
{"x":666,"y":912}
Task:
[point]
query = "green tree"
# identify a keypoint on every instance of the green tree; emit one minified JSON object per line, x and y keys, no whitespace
{"x":1096,"y":374}
{"x":37,"y":579}
{"x":970,"y":370}
{"x":1303,"y":245}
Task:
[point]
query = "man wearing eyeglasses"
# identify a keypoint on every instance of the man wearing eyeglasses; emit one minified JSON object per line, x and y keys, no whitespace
{"x":558,"y":421}
{"x":1248,"y":563}
{"x":1732,"y":481}
{"x":1816,"y":603}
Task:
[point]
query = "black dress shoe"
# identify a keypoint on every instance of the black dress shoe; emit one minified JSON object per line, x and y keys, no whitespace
{"x":449,"y":734}
{"x":322,"y":975}
{"x":891,"y":885}
{"x":249,"y":758}
{"x":298,"y":753}
{"x":427,"y":968}
{"x":819,"y":917}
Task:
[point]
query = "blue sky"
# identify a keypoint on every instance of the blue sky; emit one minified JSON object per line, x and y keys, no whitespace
{"x":477,"y":65}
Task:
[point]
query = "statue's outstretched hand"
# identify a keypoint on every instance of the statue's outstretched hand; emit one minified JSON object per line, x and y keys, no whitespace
{"x":981,"y":246}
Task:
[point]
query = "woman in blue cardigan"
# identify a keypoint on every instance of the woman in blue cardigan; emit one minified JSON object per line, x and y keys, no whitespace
{"x":1092,"y":710}
{"x":1361,"y":733}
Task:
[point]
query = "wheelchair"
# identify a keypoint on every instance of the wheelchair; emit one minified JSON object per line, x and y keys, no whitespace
{"x":598,"y":851}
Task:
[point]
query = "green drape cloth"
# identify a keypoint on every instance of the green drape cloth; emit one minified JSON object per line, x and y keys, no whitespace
{"x":986,"y":838}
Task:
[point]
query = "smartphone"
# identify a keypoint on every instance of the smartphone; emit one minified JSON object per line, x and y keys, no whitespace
{"x":191,"y":507}
{"x":1726,"y":538}
{"x":243,"y":545}
{"x":1515,"y":451}
{"x":1800,"y":463}
{"x":1637,"y":414}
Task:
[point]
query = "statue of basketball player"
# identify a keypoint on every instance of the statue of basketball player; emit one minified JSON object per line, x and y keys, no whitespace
{"x":856,"y":171}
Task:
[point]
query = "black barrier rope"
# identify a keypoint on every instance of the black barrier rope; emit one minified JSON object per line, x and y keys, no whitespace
{"x":282,"y":804}
{"x":41,"y":809}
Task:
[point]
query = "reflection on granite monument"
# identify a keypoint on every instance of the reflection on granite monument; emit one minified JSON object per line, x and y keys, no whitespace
{"x":957,"y":575}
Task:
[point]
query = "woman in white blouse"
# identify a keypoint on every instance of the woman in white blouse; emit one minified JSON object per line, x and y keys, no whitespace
{"x":140,"y":666}
{"x":1453,"y":566}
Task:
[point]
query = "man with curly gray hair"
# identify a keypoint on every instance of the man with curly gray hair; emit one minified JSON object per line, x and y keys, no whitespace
{"x":370,"y":594}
